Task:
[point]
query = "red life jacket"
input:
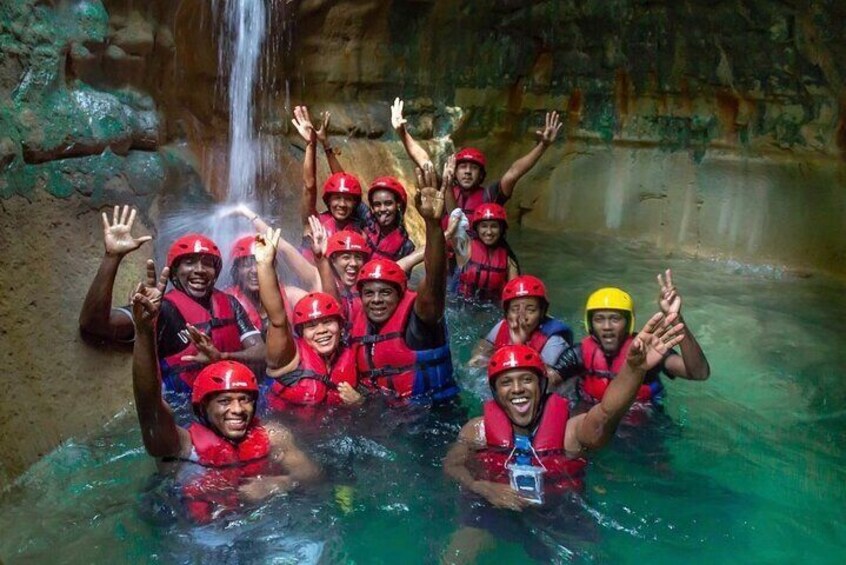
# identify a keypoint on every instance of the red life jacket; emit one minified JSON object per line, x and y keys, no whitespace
{"x":385,"y":362}
{"x":215,"y":490}
{"x":547,"y":328}
{"x":562,"y":473}
{"x":312,"y":382}
{"x":598,"y":373}
{"x":219,"y":324}
{"x":388,"y":246}
{"x":350,"y":303}
{"x":252,"y":310}
{"x":485,"y":273}
{"x":469,"y":201}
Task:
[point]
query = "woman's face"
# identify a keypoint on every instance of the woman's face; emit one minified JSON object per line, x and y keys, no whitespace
{"x":385,"y":208}
{"x":489,"y":231}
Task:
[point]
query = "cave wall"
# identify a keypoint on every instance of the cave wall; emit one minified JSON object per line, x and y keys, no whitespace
{"x":709,"y":127}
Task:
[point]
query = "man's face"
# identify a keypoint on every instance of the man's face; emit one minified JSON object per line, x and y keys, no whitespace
{"x":341,"y":206}
{"x":468,"y":174}
{"x":246,"y":274}
{"x":379,"y":300}
{"x":518,"y":392}
{"x":489,"y":231}
{"x":196,"y":274}
{"x":385,"y":207}
{"x":347,"y":265}
{"x":609,"y":326}
{"x":230,"y":413}
{"x":527,"y":312}
{"x":323,"y":335}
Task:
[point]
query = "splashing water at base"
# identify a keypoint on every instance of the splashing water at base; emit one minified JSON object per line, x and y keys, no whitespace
{"x":748,"y":464}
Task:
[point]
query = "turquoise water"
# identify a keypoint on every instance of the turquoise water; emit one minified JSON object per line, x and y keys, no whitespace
{"x":746,"y":466}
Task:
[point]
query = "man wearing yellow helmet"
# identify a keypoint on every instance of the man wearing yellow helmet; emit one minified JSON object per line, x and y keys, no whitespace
{"x":609,"y":321}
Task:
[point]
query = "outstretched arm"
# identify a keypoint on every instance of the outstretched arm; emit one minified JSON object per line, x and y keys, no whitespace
{"x":522,"y":165}
{"x":414,"y":149}
{"x":162,"y":437}
{"x":97,"y":317}
{"x":308,"y":203}
{"x":692,"y":364}
{"x":431,"y":294}
{"x":593,"y":429}
{"x":281,"y":348}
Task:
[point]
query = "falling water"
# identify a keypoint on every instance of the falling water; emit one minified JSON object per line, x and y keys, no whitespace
{"x":246,"y":23}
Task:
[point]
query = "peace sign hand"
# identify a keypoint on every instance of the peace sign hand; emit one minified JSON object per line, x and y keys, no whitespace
{"x":147,"y":298}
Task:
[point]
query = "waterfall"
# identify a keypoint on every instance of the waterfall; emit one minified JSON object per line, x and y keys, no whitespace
{"x":246,"y":23}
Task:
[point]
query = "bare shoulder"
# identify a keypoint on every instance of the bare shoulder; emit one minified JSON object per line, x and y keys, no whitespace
{"x":280,"y":436}
{"x":473,"y":433}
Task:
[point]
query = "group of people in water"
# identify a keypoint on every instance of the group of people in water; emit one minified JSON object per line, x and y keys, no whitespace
{"x":355,"y":330}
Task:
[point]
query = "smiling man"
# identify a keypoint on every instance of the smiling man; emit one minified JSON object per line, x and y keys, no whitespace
{"x":199,"y":324}
{"x":399,"y":337}
{"x":527,"y":450}
{"x":232,"y":457}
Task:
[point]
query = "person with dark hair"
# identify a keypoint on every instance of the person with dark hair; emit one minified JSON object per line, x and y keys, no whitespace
{"x":385,"y":222}
{"x":488,"y":262}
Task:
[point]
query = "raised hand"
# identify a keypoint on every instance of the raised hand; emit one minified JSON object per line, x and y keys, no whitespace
{"x":322,"y":132}
{"x":397,"y":121}
{"x":518,"y":328}
{"x":147,"y":298}
{"x":265,"y":248}
{"x":319,"y":238}
{"x":206,"y":350}
{"x":449,"y":171}
{"x":117,"y":236}
{"x":429,"y":200}
{"x":550,"y":130}
{"x":659,"y":335}
{"x":302,"y":122}
{"x":669,"y":299}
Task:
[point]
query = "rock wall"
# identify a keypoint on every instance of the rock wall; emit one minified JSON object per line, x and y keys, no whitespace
{"x":711,"y":127}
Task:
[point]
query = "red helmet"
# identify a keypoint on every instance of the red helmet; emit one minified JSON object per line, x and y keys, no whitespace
{"x":191,"y":244}
{"x":522,"y":287}
{"x":243,"y":247}
{"x":341,"y":183}
{"x":390,"y":184}
{"x":471,"y":154}
{"x":315,"y":306}
{"x":383,"y":270}
{"x":515,"y":357}
{"x":489,"y":212}
{"x":346,"y":241}
{"x":220,"y":377}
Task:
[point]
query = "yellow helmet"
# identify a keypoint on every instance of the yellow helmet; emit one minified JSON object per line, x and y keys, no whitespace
{"x":610,"y":298}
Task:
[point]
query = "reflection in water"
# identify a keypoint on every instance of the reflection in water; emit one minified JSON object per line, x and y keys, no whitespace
{"x":747,"y":463}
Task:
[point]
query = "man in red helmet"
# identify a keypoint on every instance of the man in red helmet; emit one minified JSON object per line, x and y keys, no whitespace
{"x":471,"y":165}
{"x":399,"y":336}
{"x":98,"y":319}
{"x":199,"y":324}
{"x":527,"y":450}
{"x":235,"y":458}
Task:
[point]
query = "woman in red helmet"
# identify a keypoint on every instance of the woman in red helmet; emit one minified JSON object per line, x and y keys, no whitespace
{"x":309,"y":365}
{"x":233,"y":458}
{"x":245,"y":287}
{"x":526,"y":322}
{"x":198,"y":323}
{"x":471,"y":165}
{"x":488,"y":262}
{"x":385,"y":224}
